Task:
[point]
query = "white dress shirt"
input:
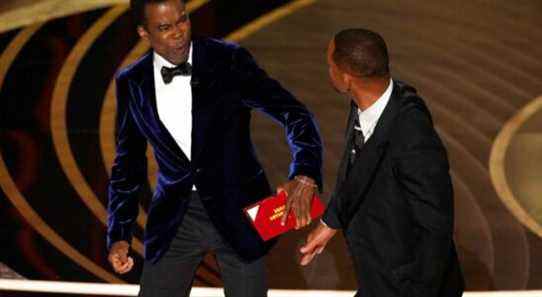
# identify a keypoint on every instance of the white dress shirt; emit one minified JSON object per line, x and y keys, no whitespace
{"x":174,"y":103}
{"x":369,"y":117}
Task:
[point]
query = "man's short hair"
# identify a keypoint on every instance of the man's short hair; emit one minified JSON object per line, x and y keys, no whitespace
{"x":138,"y":9}
{"x":361,"y":52}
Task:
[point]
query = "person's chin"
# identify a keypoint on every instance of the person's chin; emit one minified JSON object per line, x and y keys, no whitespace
{"x":176,"y":58}
{"x":181,"y":54}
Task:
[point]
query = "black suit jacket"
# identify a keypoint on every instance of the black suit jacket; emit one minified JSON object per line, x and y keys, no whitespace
{"x":396,"y":205}
{"x":227,"y":85}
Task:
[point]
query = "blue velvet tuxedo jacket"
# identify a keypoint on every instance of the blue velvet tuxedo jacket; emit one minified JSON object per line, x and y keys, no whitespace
{"x":226,"y":85}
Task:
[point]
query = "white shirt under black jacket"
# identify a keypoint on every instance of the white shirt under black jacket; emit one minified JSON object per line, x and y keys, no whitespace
{"x":369,"y":118}
{"x":174,"y":103}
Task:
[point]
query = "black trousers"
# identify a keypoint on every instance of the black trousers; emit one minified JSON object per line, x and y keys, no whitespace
{"x":174,"y":273}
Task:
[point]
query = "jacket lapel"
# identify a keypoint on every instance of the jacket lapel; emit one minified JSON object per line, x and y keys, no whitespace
{"x":355,"y":186}
{"x":203,"y":79}
{"x":149,"y":110}
{"x":348,"y":145}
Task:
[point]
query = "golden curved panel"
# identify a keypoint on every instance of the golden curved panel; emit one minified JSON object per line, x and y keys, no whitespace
{"x":267,"y":19}
{"x":26,"y":12}
{"x":497,"y":165}
{"x":16,"y":197}
{"x":59,"y":129}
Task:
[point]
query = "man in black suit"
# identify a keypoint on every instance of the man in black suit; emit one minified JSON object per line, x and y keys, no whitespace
{"x":191,"y":100}
{"x":393,"y":198}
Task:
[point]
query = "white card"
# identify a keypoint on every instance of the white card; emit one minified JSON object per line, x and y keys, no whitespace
{"x":253,"y":212}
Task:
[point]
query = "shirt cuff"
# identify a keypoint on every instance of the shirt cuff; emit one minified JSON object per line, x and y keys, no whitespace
{"x":330,"y":220}
{"x":323,"y":223}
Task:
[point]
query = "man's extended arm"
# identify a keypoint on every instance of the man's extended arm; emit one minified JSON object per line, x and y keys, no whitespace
{"x":265,"y":94}
{"x":127,"y":176}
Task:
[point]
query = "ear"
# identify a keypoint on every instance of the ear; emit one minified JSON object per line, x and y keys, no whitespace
{"x":347,"y":78}
{"x":142,"y":32}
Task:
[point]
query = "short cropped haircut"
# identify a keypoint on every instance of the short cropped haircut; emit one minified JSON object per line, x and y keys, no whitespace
{"x":361,"y":52}
{"x":137,"y":8}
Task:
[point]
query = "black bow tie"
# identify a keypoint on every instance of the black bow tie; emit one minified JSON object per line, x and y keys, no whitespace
{"x":184,"y":69}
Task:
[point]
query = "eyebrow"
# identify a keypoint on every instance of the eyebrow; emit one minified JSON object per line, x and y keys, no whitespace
{"x":184,"y":14}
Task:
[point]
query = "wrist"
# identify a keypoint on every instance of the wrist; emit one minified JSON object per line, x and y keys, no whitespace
{"x":121,"y":244}
{"x":306,"y":181}
{"x":325,"y":225}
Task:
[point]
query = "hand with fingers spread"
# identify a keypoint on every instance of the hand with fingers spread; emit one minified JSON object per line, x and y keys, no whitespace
{"x":299,"y":192}
{"x":118,"y":257}
{"x":316,"y":243}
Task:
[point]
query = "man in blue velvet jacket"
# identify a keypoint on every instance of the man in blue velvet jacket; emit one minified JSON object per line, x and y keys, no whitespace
{"x":191,"y":101}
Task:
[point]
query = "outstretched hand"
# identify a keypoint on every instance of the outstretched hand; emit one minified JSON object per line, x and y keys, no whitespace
{"x":316,"y":243}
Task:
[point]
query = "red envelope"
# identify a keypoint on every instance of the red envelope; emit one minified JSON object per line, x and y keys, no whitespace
{"x":266,"y":215}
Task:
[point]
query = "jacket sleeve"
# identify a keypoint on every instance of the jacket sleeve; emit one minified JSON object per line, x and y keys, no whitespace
{"x":129,"y":170}
{"x":266,"y":95}
{"x":331,"y":215}
{"x":422,"y":170}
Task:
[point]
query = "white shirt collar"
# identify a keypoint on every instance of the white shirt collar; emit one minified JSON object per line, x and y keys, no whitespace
{"x":368,"y":118}
{"x":160,"y":61}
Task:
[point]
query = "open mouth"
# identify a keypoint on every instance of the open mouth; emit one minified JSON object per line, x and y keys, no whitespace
{"x":182,"y":48}
{"x":182,"y":45}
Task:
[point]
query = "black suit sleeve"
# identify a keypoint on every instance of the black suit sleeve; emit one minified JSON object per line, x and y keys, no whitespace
{"x":266,"y":95}
{"x":422,"y":170}
{"x":331,"y":215}
{"x":129,"y":170}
